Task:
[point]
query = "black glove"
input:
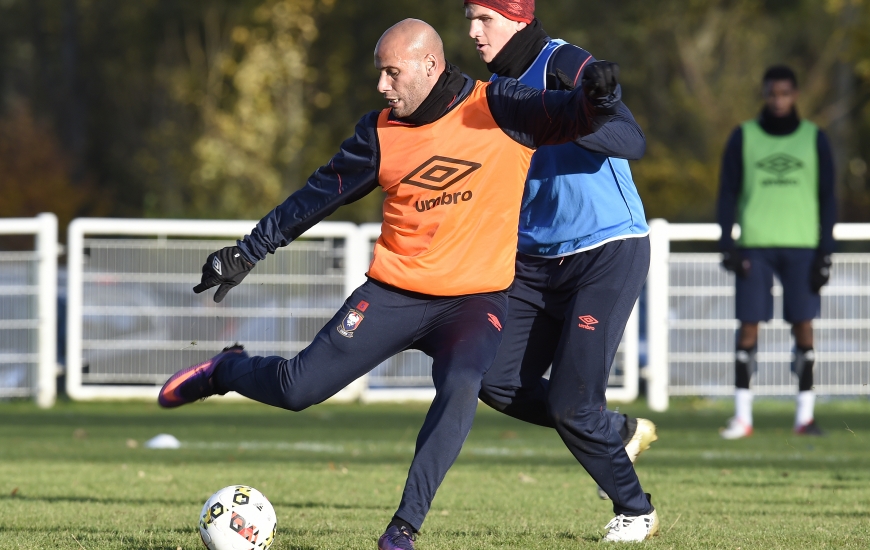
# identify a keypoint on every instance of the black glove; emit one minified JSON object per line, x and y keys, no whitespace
{"x":820,"y":272}
{"x":226,"y":267}
{"x":733,"y":261}
{"x":600,"y":79}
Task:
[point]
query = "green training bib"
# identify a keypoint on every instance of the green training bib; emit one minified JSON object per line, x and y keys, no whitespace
{"x":779,"y":203}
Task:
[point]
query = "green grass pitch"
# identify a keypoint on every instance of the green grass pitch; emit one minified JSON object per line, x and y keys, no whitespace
{"x":77,"y":477}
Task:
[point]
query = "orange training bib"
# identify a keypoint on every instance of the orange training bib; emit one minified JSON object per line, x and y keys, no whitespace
{"x":454,"y":189}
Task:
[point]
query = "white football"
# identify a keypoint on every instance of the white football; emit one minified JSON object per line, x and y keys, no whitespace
{"x":237,"y":517}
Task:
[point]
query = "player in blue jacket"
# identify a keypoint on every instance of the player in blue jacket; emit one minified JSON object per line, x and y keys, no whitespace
{"x":583,"y":256}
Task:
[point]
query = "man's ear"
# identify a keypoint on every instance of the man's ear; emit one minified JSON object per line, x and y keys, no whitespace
{"x":431,"y":65}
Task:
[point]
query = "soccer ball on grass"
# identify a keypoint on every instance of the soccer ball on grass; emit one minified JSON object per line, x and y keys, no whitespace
{"x":237,"y":517}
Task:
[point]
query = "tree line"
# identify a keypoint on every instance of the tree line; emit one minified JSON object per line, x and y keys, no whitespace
{"x":219,"y":108}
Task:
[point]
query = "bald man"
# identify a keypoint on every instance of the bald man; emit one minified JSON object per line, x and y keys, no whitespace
{"x":451,"y":155}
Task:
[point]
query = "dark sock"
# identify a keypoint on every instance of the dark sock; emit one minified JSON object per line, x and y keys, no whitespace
{"x":628,"y":429}
{"x":744,"y":367}
{"x":802,"y":366}
{"x":400,"y":523}
{"x":216,"y":387}
{"x":221,"y":368}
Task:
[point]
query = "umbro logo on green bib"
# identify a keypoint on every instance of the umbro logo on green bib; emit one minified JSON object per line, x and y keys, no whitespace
{"x":780,"y":164}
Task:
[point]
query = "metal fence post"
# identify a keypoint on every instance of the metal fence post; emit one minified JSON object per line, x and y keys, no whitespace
{"x":657,"y":317}
{"x":46,"y":246}
{"x":75,"y":259}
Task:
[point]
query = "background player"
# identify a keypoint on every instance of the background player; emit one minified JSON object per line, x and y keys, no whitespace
{"x":582,"y":261}
{"x":450,"y":154}
{"x":777,"y":182}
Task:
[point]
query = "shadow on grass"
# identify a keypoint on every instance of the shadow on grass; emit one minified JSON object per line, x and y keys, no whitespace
{"x":94,"y":535}
{"x":508,"y":534}
{"x":845,"y":515}
{"x":87,"y":536}
{"x":177,"y":502}
{"x":84,"y":536}
{"x":786,"y":483}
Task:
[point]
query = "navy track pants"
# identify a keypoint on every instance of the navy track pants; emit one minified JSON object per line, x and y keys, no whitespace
{"x":570,"y":313}
{"x":461,"y":334}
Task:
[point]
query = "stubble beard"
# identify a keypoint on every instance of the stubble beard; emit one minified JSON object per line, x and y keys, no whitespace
{"x":412,"y":99}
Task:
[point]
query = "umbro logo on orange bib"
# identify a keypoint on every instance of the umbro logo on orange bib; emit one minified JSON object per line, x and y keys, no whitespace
{"x":439,"y":173}
{"x":445,"y":198}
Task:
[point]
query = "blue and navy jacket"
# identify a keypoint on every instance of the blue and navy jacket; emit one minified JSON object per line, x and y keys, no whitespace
{"x":527,"y":115}
{"x":579,"y":195}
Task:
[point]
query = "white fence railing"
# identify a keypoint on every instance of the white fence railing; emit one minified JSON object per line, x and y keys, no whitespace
{"x":692,"y":326}
{"x":132,"y":319}
{"x":28,"y":311}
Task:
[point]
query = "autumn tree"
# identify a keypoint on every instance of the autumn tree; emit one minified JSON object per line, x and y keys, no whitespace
{"x":35,"y":172}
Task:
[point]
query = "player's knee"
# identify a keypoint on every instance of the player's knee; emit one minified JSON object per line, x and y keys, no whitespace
{"x":497,"y":389}
{"x":747,"y":335}
{"x":559,"y":415}
{"x":461,"y":385}
{"x":295,"y":400}
{"x":566,"y":414}
{"x":295,"y":405}
{"x":587,"y":425}
{"x":467,"y":391}
{"x":494,"y":396}
{"x":803,"y":334}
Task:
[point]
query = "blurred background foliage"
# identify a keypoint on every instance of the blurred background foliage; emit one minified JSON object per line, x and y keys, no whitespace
{"x":220,"y":108}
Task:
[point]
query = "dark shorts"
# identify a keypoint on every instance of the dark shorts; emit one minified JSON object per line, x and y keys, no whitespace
{"x":792,"y":267}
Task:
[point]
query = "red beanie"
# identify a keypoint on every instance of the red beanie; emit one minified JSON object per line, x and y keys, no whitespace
{"x":515,"y":10}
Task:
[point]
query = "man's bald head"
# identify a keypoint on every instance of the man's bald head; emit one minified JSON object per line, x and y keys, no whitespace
{"x":411,"y":37}
{"x":410,"y":59}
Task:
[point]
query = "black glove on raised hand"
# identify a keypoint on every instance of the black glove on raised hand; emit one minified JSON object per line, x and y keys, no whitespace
{"x":600,"y":80}
{"x":733,"y":261}
{"x":820,"y":273}
{"x":226,"y":267}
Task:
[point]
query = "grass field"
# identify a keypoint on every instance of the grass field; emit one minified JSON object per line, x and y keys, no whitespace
{"x":77,"y":476}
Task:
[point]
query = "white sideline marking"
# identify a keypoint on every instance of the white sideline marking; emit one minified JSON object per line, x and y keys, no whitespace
{"x":768,"y":456}
{"x":308,"y":446}
{"x":366,"y":447}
